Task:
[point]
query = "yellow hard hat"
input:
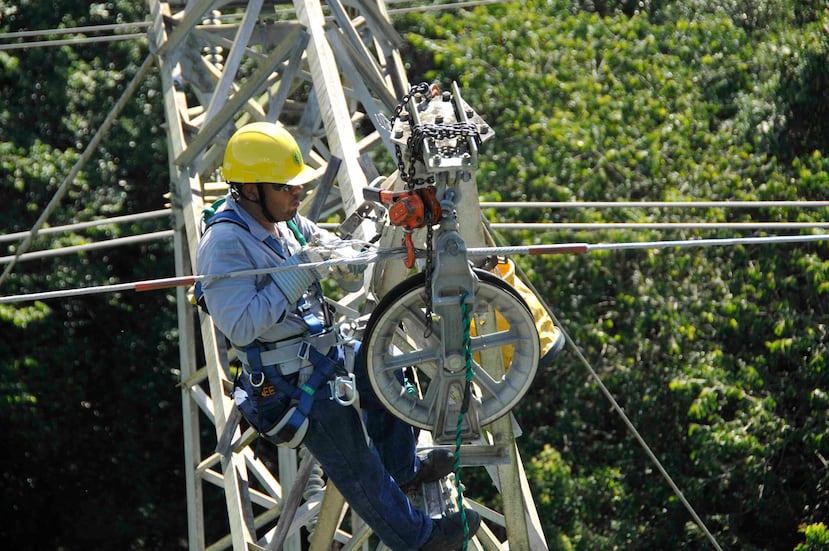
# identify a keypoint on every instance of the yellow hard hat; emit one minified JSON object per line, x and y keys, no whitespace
{"x":264,"y":152}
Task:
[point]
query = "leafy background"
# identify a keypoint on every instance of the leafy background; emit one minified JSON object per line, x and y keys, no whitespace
{"x":717,"y":355}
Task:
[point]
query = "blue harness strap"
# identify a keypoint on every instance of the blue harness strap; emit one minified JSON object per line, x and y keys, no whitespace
{"x":211,"y":218}
{"x":305,"y":394}
{"x":302,"y":396}
{"x":233,"y":217}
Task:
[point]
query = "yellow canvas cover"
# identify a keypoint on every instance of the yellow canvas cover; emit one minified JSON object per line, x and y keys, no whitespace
{"x":549,"y":336}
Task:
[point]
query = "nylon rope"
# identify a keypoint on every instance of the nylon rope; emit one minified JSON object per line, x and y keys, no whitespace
{"x":467,"y":352}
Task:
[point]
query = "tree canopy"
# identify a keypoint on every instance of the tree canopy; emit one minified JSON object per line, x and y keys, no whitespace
{"x":716,"y":354}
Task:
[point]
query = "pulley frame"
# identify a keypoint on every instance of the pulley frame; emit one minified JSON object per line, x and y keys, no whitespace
{"x":423,"y":329}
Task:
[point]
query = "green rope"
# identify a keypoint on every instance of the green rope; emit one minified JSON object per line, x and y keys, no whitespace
{"x":298,"y":234}
{"x":467,"y":352}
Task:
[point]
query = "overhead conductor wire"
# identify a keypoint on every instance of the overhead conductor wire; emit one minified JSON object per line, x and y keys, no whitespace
{"x":377,"y":254}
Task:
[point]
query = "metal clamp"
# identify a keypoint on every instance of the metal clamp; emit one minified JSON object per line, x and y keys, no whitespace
{"x":304,"y":350}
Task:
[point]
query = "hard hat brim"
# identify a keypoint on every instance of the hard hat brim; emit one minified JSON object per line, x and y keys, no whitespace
{"x":306,"y":175}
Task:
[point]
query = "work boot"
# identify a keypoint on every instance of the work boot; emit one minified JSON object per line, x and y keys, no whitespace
{"x":437,"y":464}
{"x":448,"y":533}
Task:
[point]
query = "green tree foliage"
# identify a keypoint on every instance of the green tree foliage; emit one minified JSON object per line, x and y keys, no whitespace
{"x":90,"y":410}
{"x":817,"y":537}
{"x":717,"y":355}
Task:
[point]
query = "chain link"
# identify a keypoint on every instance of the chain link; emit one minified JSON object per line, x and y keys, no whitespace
{"x":419,"y":134}
{"x":407,"y":177}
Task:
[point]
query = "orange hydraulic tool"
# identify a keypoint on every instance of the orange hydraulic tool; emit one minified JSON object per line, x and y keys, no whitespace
{"x":408,"y":209}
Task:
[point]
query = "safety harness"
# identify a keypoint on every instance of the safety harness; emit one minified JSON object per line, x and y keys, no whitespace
{"x":266,"y":380}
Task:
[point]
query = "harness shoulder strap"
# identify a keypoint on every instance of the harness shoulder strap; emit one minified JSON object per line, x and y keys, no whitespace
{"x":298,"y":234}
{"x":311,"y":321}
{"x":212,"y":218}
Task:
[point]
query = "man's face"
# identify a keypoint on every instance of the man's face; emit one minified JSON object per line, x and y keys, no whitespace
{"x":282,"y":201}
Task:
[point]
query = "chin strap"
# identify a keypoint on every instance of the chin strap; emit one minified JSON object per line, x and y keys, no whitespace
{"x":264,"y":207}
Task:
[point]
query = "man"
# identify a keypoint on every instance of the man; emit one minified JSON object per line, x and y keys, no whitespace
{"x":278,"y":323}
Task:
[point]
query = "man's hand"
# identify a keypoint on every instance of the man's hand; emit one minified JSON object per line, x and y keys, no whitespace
{"x":349,"y":276}
{"x":294,"y":283}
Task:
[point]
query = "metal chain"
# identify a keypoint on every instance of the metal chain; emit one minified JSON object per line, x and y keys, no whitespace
{"x":442,"y":131}
{"x":401,"y":167}
{"x":419,"y":133}
{"x":437,"y":132}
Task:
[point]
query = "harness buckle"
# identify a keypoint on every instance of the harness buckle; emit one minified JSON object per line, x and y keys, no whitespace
{"x":304,"y":350}
{"x":343,"y":389}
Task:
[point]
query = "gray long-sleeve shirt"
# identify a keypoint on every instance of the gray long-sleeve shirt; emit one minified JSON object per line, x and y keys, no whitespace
{"x":252,"y":307}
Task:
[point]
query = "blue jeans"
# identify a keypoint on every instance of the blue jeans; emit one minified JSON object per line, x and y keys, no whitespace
{"x":335,"y":437}
{"x":368,"y":476}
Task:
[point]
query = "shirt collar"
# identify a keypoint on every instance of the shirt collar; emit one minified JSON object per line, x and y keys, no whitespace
{"x":256,"y":229}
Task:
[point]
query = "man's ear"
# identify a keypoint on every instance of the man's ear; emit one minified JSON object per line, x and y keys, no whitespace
{"x":250,"y":192}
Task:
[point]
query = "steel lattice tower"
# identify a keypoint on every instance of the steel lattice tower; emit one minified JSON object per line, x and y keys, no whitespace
{"x":330,"y":72}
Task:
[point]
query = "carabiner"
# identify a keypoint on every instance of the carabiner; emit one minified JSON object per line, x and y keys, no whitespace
{"x":343,"y":389}
{"x":261,"y":380}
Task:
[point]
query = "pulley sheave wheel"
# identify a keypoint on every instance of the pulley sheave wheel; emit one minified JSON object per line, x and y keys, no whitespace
{"x":396,"y":339}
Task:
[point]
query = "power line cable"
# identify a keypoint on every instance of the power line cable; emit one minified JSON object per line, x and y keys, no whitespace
{"x":90,"y":224}
{"x":85,"y":156}
{"x":543,"y":226}
{"x":74,"y":30}
{"x":72,"y":41}
{"x":651,"y":204}
{"x":147,"y":24}
{"x":77,"y":41}
{"x":104,"y":244}
{"x":371,"y":256}
{"x":448,"y":6}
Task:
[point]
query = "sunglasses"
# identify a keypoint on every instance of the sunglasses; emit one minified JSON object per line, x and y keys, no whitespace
{"x":281,"y":187}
